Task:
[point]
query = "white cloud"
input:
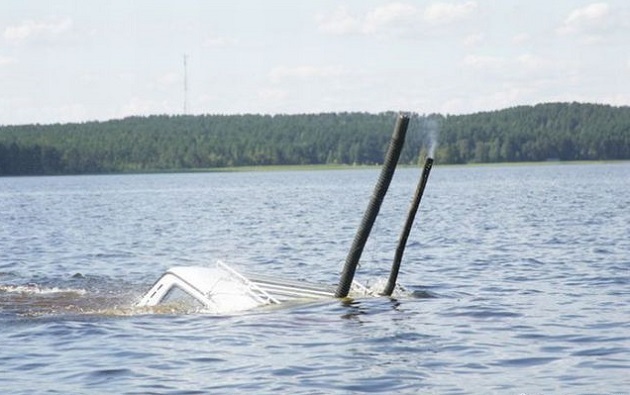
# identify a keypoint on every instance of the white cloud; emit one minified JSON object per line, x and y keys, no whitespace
{"x":593,"y":17}
{"x":533,"y":62}
{"x":169,"y":79}
{"x":521,"y":38}
{"x":31,"y":29}
{"x":474,"y":39}
{"x":495,"y":97}
{"x":484,"y":62}
{"x":442,"y":13}
{"x":7,"y":60}
{"x":377,"y":20}
{"x":340,"y":22}
{"x":304,"y":72}
{"x":394,"y":16}
{"x":507,"y":69}
{"x":524,"y":62}
{"x":272,"y":94}
{"x":220,"y":42}
{"x":387,"y":16}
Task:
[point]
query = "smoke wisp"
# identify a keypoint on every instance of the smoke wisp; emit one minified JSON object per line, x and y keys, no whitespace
{"x":432,"y":129}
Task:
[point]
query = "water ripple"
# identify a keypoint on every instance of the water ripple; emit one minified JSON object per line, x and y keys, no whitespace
{"x":516,"y":282}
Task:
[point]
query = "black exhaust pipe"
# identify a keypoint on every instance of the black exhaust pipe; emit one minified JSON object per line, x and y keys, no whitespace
{"x":387,"y":172}
{"x":402,"y":241}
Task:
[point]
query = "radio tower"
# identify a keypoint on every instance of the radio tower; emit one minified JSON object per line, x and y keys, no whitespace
{"x":185,"y":85}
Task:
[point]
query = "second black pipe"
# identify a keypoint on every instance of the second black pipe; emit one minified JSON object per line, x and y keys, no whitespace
{"x":402,"y":241}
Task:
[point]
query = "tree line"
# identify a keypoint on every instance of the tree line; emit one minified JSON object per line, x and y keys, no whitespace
{"x":553,"y":131}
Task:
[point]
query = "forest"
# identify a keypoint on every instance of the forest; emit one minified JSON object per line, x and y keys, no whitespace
{"x":550,"y":131}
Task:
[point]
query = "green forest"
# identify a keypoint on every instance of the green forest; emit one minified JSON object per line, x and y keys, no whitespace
{"x":551,"y":131}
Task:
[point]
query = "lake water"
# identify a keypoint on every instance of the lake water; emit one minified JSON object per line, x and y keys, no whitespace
{"x":517,"y":281}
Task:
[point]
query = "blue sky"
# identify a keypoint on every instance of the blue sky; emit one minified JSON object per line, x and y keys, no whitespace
{"x":74,"y":61}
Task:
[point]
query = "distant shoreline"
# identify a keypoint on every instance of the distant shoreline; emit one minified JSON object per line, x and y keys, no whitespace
{"x":289,"y":168}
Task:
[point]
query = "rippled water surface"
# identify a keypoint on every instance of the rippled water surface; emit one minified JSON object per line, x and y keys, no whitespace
{"x":517,"y":281}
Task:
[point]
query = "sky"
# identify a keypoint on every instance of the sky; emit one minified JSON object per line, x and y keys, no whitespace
{"x":92,"y":60}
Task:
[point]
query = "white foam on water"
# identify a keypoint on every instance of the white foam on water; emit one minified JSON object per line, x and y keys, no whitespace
{"x":34,"y":289}
{"x":376,"y":286}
